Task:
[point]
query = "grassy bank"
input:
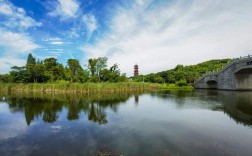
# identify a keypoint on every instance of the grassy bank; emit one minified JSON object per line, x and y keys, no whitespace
{"x":67,"y":87}
{"x":174,"y":86}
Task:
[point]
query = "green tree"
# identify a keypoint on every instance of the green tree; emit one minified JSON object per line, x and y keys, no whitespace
{"x":96,"y":65}
{"x":123,"y":78}
{"x":158,"y":79}
{"x":53,"y":70}
{"x":6,"y":78}
{"x":112,"y":75}
{"x":105,"y":75}
{"x":50,"y":63}
{"x":74,"y":67}
{"x":59,"y":72}
{"x":39,"y":72}
{"x":92,"y":66}
{"x":19,"y":74}
{"x":100,"y":65}
{"x":115,"y":69}
{"x":83,"y":75}
{"x":31,"y":61}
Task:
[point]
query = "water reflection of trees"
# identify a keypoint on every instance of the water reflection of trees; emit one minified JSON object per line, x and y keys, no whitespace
{"x":49,"y":107}
{"x":236,"y":104}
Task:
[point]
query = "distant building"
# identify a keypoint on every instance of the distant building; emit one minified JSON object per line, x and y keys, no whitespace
{"x":136,"y":70}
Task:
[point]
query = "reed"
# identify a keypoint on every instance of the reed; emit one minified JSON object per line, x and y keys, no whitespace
{"x":83,"y":88}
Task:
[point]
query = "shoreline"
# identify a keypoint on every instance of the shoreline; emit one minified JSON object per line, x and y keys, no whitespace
{"x":87,"y":88}
{"x":78,"y":88}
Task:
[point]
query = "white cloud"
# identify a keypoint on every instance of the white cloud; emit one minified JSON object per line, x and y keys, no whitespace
{"x":7,"y":62}
{"x":16,"y":43}
{"x":160,"y":36}
{"x":90,"y":22}
{"x":54,"y":39}
{"x":86,"y":26}
{"x":15,"y":17}
{"x":65,"y":9}
{"x":13,"y":125}
{"x":57,"y":53}
{"x":56,"y":42}
{"x":5,"y":9}
{"x":13,"y":46}
{"x":74,"y":32}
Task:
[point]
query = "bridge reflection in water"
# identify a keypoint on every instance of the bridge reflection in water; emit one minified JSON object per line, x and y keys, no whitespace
{"x":238,"y":105}
{"x":235,"y":104}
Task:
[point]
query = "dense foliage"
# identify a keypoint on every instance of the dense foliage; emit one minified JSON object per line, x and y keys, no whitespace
{"x":49,"y":70}
{"x":183,"y":75}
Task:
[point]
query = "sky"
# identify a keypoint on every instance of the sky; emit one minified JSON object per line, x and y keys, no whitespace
{"x":155,"y":34}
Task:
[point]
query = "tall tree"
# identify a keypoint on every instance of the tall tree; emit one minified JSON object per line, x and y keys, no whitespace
{"x":74,"y":66}
{"x":31,"y":61}
{"x":50,"y":65}
{"x":92,"y":66}
{"x":100,"y":65}
{"x":115,"y":69}
{"x":39,"y":72}
{"x":59,"y":73}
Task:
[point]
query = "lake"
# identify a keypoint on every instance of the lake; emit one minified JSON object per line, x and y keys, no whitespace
{"x":165,"y":123}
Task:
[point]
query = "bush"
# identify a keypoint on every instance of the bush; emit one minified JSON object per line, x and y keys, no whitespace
{"x":181,"y":83}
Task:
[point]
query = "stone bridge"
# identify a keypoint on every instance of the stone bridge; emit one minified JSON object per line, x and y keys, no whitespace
{"x":237,"y":75}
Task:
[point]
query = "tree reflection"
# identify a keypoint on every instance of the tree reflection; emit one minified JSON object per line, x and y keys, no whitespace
{"x":49,"y":107}
{"x":136,"y":99}
{"x":97,"y":114}
{"x":50,"y":116}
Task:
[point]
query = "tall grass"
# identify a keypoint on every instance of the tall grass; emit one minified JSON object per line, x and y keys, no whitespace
{"x":174,"y":86}
{"x":67,"y":87}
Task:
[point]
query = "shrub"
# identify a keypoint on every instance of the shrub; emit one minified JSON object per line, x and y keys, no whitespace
{"x":181,"y":83}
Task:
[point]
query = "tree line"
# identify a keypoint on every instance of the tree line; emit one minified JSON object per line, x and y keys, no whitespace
{"x":50,"y":70}
{"x":183,"y":75}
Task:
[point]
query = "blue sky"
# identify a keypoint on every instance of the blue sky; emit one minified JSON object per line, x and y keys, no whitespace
{"x":156,"y":34}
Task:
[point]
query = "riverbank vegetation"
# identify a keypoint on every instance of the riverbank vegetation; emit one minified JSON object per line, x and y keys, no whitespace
{"x":82,"y":88}
{"x":51,"y":76}
{"x":50,"y":70}
{"x":183,"y":75}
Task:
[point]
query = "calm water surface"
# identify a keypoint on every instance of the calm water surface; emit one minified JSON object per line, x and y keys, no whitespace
{"x":162,"y":123}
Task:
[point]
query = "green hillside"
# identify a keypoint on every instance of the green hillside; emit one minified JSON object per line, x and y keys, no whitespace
{"x":186,"y":74}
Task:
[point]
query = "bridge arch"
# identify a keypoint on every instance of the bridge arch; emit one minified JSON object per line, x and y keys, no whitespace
{"x":244,"y":69}
{"x":243,"y":78}
{"x":212,"y":84}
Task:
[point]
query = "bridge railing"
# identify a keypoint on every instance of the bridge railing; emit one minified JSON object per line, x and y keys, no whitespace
{"x":245,"y":57}
{"x":209,"y":73}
